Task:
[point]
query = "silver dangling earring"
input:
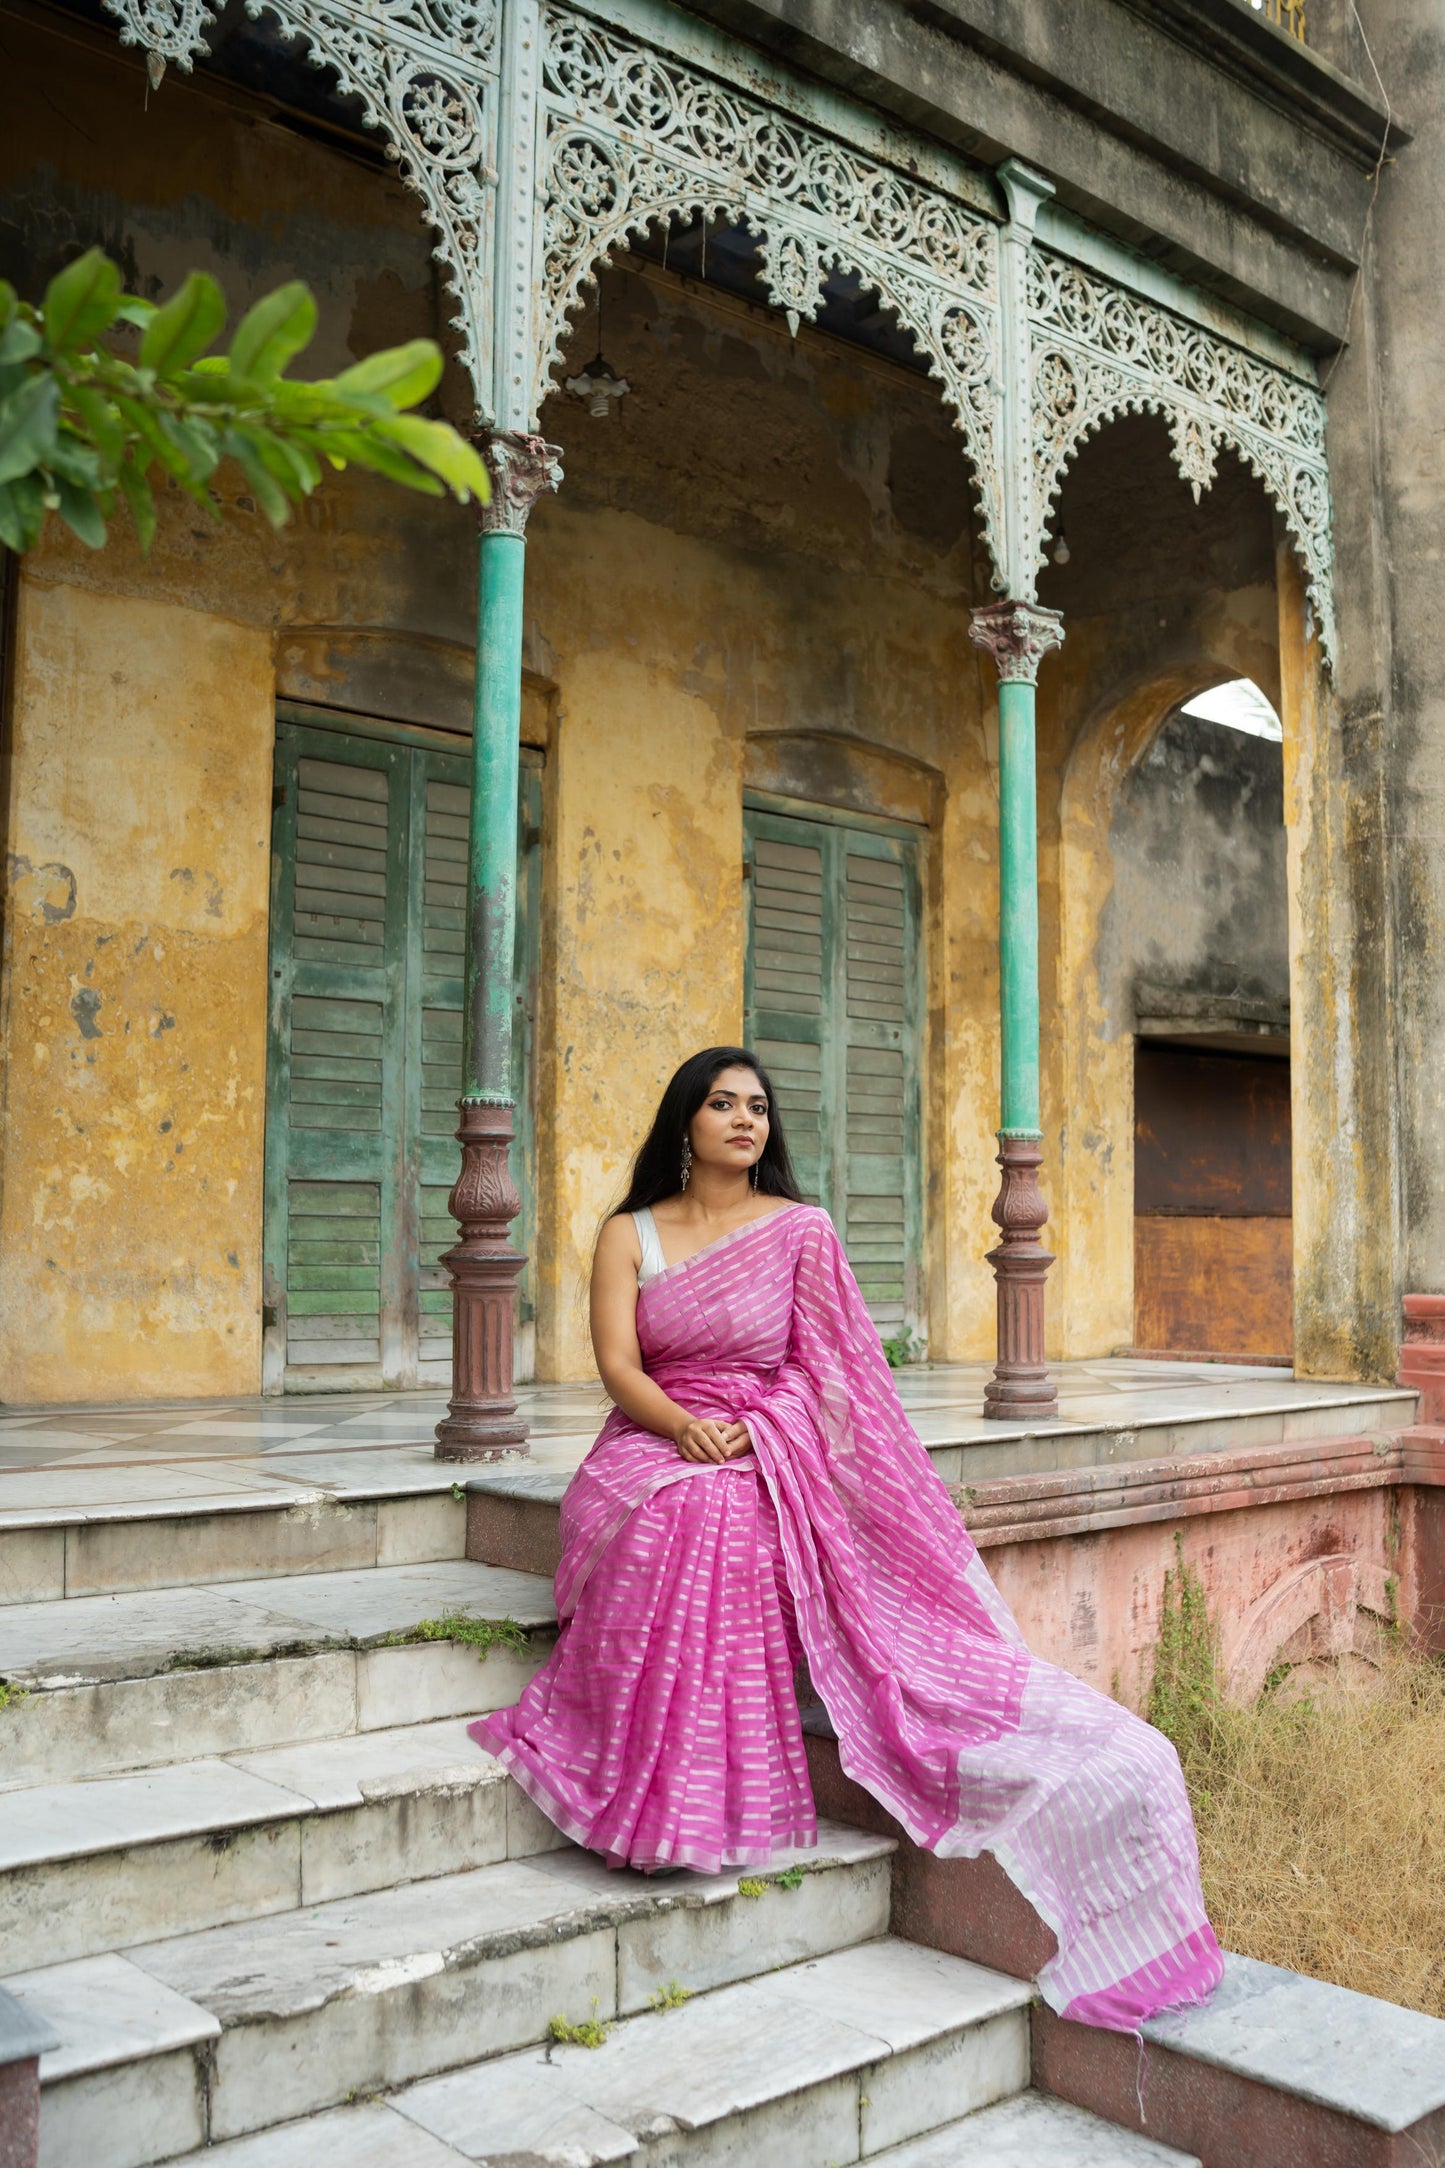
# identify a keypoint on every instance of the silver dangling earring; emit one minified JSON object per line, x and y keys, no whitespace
{"x":686,"y":1161}
{"x":755,"y":1174}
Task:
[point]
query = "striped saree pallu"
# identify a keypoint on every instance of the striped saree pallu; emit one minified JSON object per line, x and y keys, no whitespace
{"x":664,"y":1730}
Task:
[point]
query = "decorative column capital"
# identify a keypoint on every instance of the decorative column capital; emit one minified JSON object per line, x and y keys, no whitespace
{"x":522,"y":470}
{"x":1018,"y":635}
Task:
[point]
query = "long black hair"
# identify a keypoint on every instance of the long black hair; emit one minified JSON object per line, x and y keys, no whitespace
{"x":657,"y":1169}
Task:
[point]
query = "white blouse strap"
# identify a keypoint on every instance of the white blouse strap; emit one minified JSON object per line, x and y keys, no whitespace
{"x":653,"y":1260}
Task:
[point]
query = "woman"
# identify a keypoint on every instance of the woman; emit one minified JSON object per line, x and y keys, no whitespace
{"x":757,"y":1494}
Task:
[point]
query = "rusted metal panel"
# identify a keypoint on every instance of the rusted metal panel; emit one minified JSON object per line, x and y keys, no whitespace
{"x":1211,"y":1134}
{"x":1213,"y":1286}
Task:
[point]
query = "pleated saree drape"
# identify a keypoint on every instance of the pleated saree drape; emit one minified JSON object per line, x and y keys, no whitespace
{"x":664,"y":1731}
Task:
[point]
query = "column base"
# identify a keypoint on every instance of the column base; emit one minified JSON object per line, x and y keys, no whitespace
{"x":1021,"y":1389}
{"x":482,"y":1422}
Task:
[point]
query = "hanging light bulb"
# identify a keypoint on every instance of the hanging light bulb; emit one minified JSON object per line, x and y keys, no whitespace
{"x":1062,"y":552}
{"x":599,"y":386}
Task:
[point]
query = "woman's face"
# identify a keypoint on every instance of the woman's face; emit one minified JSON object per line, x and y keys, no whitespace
{"x":730,"y":1128}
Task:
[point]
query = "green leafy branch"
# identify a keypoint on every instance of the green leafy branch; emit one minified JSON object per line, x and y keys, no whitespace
{"x":83,"y":428}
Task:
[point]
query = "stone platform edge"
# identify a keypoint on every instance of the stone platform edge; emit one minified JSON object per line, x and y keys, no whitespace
{"x":506,"y":1528}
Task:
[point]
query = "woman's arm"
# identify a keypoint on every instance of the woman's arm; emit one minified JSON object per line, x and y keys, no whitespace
{"x":619,"y":1358}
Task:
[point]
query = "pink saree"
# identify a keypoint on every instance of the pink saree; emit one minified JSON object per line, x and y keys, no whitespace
{"x":664,"y":1731}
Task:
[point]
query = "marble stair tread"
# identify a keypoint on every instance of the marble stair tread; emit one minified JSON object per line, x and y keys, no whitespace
{"x":881,"y":2039}
{"x":91,"y":1638}
{"x":369,"y":2135}
{"x":45,"y":1822}
{"x":294,"y":1962}
{"x":1375,"y":2061}
{"x":1029,"y":2131}
{"x":266,"y":2021}
{"x":105,"y":2011}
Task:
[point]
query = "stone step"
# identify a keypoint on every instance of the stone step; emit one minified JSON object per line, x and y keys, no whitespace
{"x":1029,"y":2131}
{"x":208,"y":2036}
{"x":128,"y":1682}
{"x":57,"y":1551}
{"x":835,"y":2060}
{"x":101,"y":1865}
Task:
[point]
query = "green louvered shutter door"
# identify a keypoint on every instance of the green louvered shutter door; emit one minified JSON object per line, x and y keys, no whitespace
{"x":834,"y":1009}
{"x":368,"y":935}
{"x":880,"y":1119}
{"x":787,"y":982}
{"x":334,"y":1099}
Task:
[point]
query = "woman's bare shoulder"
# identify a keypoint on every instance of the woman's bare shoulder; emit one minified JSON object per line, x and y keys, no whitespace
{"x":617,"y":1243}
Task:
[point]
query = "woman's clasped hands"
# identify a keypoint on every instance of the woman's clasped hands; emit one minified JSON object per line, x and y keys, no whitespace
{"x":702,"y":1437}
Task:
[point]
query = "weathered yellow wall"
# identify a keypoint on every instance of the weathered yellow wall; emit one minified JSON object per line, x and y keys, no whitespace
{"x":1345,"y":1229}
{"x":138,"y":800}
{"x":1161,"y":598}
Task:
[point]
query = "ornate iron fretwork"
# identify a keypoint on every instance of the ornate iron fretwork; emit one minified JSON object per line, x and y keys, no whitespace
{"x":425,"y":72}
{"x":635,"y":137}
{"x":609,"y":134}
{"x":1098,"y":352}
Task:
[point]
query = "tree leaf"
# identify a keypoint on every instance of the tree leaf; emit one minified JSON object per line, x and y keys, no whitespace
{"x":22,"y":513}
{"x":268,"y":491}
{"x":101,"y":422}
{"x":437,"y":446}
{"x":132,"y":310}
{"x":302,"y":469}
{"x":178,"y":334}
{"x":76,"y":460}
{"x":138,"y":495}
{"x":402,"y":375}
{"x":19,"y":341}
{"x":147,"y":427}
{"x":81,"y":513}
{"x":272,"y":332}
{"x":198,"y":443}
{"x":364,"y":448}
{"x":81,"y":302}
{"x":29,"y":425}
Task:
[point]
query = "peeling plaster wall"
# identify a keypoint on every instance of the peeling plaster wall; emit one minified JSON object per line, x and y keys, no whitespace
{"x":137,"y":783}
{"x":135,"y":979}
{"x":1199,"y":901}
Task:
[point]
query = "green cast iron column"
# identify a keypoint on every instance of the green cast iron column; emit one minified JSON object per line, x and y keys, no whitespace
{"x":492,"y":857}
{"x":482,"y":1420}
{"x":1018,"y":911}
{"x":1018,"y":635}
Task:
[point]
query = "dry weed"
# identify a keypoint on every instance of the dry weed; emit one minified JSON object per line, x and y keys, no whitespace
{"x":1321,"y":1821}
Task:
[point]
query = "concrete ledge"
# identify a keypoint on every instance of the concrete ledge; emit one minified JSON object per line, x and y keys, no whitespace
{"x":1277,"y":2071}
{"x":1027,"y":1509}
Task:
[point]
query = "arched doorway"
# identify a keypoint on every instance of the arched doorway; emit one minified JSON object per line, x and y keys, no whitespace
{"x":1200,"y":926}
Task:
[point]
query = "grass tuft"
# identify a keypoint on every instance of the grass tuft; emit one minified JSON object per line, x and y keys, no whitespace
{"x":480,"y":1634}
{"x":1321,"y":1815}
{"x":589,"y":2034}
{"x":755,"y":1884}
{"x":670,"y":1997}
{"x":11,"y":1695}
